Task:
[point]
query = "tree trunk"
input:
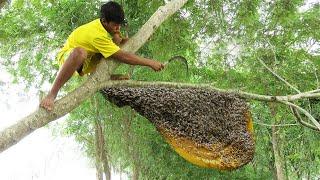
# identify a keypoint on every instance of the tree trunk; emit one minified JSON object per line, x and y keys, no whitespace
{"x":13,"y":134}
{"x":104,"y":156}
{"x":106,"y":166}
{"x":99,"y":145}
{"x":135,"y":150}
{"x":136,"y":173}
{"x":98,"y":150}
{"x":277,"y":158}
{"x":131,"y":141}
{"x":2,"y":3}
{"x":102,"y":164}
{"x":275,"y":146}
{"x":99,"y":172}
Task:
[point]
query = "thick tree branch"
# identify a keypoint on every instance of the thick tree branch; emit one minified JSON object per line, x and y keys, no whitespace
{"x":245,"y":95}
{"x":41,"y":117}
{"x":276,"y":125}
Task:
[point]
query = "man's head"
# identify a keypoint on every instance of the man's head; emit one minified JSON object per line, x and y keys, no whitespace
{"x":112,"y":16}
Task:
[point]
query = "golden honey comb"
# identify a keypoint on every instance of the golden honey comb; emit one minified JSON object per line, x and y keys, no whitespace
{"x":207,"y":128}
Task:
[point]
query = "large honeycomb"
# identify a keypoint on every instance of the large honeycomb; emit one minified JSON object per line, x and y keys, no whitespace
{"x":208,"y":128}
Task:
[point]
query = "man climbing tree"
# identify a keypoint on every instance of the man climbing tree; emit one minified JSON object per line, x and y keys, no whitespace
{"x":85,"y":45}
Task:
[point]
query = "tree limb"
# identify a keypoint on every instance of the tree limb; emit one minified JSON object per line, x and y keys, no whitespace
{"x":277,"y":76}
{"x":41,"y":117}
{"x":280,"y":99}
{"x":306,"y":113}
{"x":275,"y":125}
{"x":294,"y":107}
{"x":299,"y":118}
{"x":242,"y":94}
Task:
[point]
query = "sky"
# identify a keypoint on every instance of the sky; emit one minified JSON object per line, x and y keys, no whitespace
{"x":40,"y":155}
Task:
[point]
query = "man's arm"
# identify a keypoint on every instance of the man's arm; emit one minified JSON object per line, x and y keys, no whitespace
{"x":133,"y":59}
{"x":123,"y":41}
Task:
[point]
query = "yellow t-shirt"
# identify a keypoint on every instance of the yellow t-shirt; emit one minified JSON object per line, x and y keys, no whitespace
{"x":93,"y":38}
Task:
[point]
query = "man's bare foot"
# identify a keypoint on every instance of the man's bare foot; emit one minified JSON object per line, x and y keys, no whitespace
{"x":48,"y":102}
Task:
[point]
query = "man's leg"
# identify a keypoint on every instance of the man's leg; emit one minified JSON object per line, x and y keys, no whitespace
{"x":73,"y":63}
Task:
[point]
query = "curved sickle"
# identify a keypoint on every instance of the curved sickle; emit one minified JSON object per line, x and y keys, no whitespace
{"x":174,"y":58}
{"x":179,"y":58}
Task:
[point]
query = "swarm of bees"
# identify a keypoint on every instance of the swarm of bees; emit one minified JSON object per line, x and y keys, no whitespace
{"x":208,"y":128}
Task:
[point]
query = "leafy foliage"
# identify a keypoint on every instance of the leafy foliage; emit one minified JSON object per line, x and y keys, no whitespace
{"x":222,"y":41}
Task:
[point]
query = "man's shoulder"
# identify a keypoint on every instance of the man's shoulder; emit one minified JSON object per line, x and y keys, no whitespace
{"x":91,"y":29}
{"x":96,"y":29}
{"x":91,"y":24}
{"x":94,"y":22}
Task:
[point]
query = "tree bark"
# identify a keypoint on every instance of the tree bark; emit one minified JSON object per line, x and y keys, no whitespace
{"x":99,"y":143}
{"x":278,"y":162}
{"x":106,"y":166}
{"x":13,"y":134}
{"x":136,"y":173}
{"x":102,"y":163}
{"x":277,"y":158}
{"x":131,"y":141}
{"x":104,"y":151}
{"x":2,"y":3}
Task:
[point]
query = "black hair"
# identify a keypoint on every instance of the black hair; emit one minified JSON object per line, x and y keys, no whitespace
{"x":112,"y":11}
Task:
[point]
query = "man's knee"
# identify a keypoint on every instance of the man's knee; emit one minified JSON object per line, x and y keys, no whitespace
{"x":80,"y":54}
